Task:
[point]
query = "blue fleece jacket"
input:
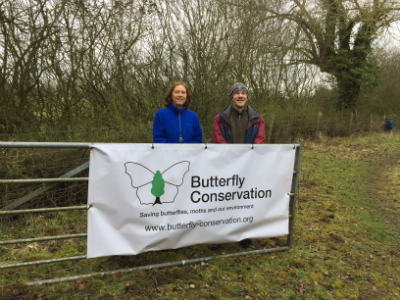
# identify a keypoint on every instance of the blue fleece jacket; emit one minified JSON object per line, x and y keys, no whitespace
{"x":170,"y":123}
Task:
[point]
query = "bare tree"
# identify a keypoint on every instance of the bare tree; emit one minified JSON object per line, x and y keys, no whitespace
{"x":335,"y":35}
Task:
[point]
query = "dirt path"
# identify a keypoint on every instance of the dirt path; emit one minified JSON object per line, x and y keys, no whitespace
{"x":383,"y":185}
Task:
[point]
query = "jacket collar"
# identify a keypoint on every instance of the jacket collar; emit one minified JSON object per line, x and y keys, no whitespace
{"x":226,"y":113}
{"x":253,"y":116}
{"x":175,"y":109}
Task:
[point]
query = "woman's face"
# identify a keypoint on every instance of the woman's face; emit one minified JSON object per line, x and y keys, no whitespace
{"x":179,"y":96}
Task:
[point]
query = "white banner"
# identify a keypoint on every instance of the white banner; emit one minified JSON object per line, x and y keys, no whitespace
{"x":143,"y":199}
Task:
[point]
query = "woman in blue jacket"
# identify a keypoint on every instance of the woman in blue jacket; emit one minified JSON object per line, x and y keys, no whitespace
{"x":176,"y":123}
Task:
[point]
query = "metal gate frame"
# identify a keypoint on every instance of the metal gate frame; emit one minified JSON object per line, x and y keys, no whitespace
{"x":50,"y":182}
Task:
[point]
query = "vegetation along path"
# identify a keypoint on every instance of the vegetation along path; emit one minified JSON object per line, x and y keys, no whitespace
{"x":346,"y":243}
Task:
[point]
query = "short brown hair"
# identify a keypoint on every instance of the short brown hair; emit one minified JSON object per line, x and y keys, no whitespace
{"x":168,"y":96}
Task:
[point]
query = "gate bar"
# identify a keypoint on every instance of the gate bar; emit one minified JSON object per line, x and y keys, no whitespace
{"x":155,"y":266}
{"x":43,"y":180}
{"x":46,"y":238}
{"x":39,"y":210}
{"x":293,"y":194}
{"x":44,"y":187}
{"x":44,"y":145}
{"x":42,"y":262}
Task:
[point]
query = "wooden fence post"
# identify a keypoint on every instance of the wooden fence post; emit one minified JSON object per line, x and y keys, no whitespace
{"x":271,"y":125}
{"x":370,"y":123}
{"x":351,"y":122}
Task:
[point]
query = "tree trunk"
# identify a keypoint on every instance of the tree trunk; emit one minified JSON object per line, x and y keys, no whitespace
{"x":349,"y":90}
{"x":157,"y":201}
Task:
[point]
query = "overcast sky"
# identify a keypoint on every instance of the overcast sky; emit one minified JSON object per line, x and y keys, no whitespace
{"x":391,"y":36}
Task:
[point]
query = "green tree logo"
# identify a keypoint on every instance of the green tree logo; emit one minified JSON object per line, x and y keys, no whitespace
{"x":158,"y":185}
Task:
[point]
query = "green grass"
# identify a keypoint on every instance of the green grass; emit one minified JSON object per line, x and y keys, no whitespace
{"x":346,"y":242}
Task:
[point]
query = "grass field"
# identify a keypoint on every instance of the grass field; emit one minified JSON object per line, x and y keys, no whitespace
{"x":346,"y":242}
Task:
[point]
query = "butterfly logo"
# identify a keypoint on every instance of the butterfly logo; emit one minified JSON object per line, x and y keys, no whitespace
{"x":164,"y":186}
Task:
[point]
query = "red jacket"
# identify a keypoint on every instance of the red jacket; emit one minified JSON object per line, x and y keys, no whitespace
{"x":255,"y":132}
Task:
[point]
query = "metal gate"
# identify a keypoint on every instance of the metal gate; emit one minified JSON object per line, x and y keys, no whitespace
{"x":13,"y":206}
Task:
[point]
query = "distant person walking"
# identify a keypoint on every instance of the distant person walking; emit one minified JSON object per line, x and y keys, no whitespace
{"x":389,"y":125}
{"x":176,"y":123}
